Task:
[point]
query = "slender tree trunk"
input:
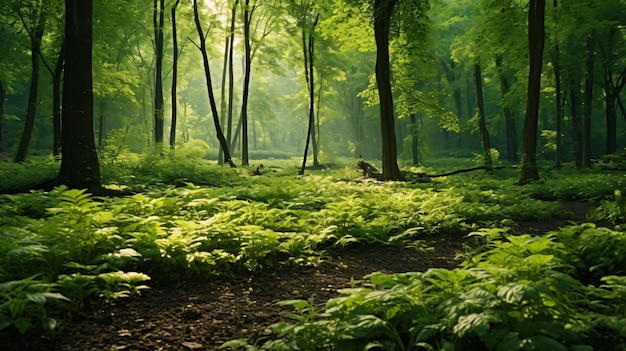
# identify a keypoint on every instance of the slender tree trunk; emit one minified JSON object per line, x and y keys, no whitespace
{"x":588,"y":101}
{"x":207,"y":74}
{"x":559,"y":102}
{"x":79,"y":166}
{"x":484,"y":133}
{"x":220,"y":159}
{"x":382,"y":23}
{"x":159,"y":110}
{"x":35,"y":47}
{"x":243,"y":120}
{"x":536,"y":39}
{"x":231,"y":77}
{"x":558,"y":107}
{"x":174,"y":77}
{"x":509,"y":121}
{"x":56,"y":101}
{"x":308,"y":52}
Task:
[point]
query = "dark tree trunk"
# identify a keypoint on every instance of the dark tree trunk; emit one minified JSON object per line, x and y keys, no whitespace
{"x":56,"y":101}
{"x":207,"y":75}
{"x":102,"y":129}
{"x":382,"y":22}
{"x":482,"y":126}
{"x":79,"y":166}
{"x":509,"y":121}
{"x":558,"y":103}
{"x":558,"y":107}
{"x":159,"y":111}
{"x":588,"y":101}
{"x":174,"y":77}
{"x":231,"y":78}
{"x":35,"y":47}
{"x":308,"y":51}
{"x":220,"y":159}
{"x":243,"y":120}
{"x":536,"y":39}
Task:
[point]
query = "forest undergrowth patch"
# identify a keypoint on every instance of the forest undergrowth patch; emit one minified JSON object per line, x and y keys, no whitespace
{"x":66,"y":252}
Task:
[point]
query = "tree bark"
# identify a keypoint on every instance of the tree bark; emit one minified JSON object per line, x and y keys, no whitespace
{"x":79,"y":166}
{"x":36,"y":35}
{"x":174,"y":77}
{"x":56,"y":101}
{"x":159,"y":111}
{"x":231,"y":77}
{"x":536,"y":40}
{"x":484,"y":133}
{"x":309,"y":73}
{"x":382,"y":23}
{"x":207,"y":75}
{"x":243,"y":120}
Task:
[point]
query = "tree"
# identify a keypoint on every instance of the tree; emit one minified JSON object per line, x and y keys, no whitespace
{"x":37,"y":16}
{"x":159,"y":111}
{"x":247,"y":62}
{"x":209,"y":84}
{"x":308,"y":49}
{"x":536,"y":39}
{"x":382,"y":12}
{"x":174,"y":76}
{"x":79,"y":165}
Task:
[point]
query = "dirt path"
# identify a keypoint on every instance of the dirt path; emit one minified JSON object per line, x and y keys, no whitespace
{"x":203,"y":315}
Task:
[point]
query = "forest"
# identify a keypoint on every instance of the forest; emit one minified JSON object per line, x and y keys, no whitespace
{"x":313,"y":175}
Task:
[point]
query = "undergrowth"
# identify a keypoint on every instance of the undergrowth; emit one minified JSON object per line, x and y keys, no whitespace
{"x":66,"y":251}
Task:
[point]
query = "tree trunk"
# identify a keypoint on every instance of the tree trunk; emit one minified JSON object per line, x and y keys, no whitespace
{"x":35,"y":47}
{"x":309,"y":73}
{"x":79,"y":166}
{"x":558,"y":103}
{"x":588,"y":101}
{"x":56,"y":101}
{"x":159,"y":111}
{"x":558,"y":107}
{"x":207,"y":75}
{"x":243,"y":120}
{"x":220,"y":159}
{"x":102,"y":129}
{"x":536,"y":39}
{"x":484,"y":133}
{"x":509,"y":121}
{"x":174,"y":77}
{"x":382,"y":22}
{"x":231,"y":78}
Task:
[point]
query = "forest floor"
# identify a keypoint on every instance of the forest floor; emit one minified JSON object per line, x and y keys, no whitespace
{"x":201,"y":315}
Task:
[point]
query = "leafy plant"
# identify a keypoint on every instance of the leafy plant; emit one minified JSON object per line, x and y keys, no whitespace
{"x":23,"y":304}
